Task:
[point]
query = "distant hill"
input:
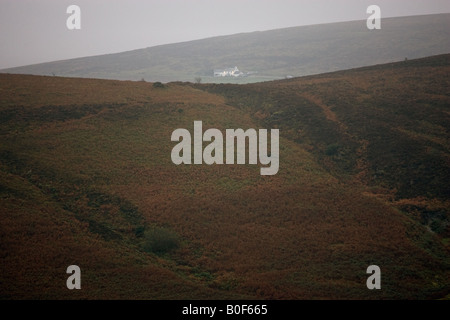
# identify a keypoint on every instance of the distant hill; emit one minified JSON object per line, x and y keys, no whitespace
{"x":86,"y":178}
{"x":267,"y":55}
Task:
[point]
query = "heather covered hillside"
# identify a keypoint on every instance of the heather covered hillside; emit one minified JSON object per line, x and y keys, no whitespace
{"x":87,"y":179}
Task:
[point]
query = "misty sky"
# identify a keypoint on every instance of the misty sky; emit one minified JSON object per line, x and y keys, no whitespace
{"x":34,"y":31}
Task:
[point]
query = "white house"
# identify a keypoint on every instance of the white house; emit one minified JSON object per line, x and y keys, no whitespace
{"x":229,"y":72}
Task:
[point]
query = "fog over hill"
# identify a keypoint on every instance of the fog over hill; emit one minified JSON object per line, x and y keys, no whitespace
{"x":266,"y":55}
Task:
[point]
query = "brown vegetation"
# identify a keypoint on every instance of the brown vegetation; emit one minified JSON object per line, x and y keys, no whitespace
{"x":86,"y":179}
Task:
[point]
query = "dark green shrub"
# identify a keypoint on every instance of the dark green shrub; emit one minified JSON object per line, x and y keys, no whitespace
{"x":139,"y":231}
{"x":160,"y":240}
{"x":158,"y":85}
{"x":332,"y":149}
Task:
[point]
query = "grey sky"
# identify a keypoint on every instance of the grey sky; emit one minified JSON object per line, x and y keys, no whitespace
{"x":34,"y":31}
